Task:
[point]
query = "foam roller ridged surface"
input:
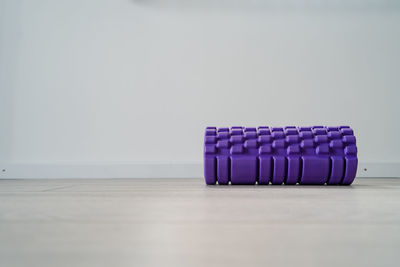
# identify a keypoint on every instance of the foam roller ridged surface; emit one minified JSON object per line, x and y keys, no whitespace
{"x":291,"y":155}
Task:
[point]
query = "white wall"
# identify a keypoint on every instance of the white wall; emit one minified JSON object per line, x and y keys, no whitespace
{"x":87,"y":85}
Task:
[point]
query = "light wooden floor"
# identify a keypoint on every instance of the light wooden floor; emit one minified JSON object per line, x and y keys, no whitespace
{"x":182,"y":222}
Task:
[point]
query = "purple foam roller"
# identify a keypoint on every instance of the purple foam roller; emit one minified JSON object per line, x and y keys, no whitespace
{"x":291,"y":155}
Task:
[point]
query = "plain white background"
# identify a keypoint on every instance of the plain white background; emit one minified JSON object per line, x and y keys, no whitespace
{"x":125,"y":88}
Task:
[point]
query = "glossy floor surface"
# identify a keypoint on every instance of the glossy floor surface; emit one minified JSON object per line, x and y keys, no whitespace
{"x":182,"y":222}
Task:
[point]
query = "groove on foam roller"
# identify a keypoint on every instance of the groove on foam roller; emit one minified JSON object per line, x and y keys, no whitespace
{"x":291,"y":155}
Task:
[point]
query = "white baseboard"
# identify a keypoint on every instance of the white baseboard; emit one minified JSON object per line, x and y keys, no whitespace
{"x":102,"y":170}
{"x":378,"y":169}
{"x":148,"y":170}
